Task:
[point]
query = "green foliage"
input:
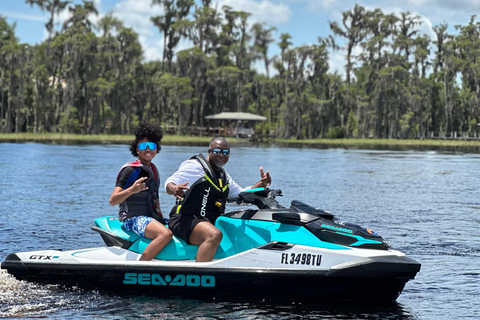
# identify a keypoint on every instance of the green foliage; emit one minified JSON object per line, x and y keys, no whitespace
{"x":472,"y":125}
{"x":69,"y":121}
{"x":398,"y":83}
{"x":335,"y":133}
{"x":352,"y":124}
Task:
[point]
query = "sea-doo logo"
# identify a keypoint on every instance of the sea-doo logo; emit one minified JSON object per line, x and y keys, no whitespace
{"x":180,"y":280}
{"x":336,"y":228}
{"x":203,"y":210}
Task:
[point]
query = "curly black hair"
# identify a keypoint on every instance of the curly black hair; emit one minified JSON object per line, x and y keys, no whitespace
{"x":151,"y":131}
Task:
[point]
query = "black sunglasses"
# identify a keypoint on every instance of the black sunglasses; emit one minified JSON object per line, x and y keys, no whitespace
{"x":218,"y":151}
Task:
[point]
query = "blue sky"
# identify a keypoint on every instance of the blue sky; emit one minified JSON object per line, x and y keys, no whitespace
{"x":304,"y":20}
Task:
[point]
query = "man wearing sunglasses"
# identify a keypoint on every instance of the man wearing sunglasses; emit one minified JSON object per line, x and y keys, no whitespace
{"x":201,"y":186}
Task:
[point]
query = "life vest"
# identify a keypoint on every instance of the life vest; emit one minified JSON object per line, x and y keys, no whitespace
{"x":207,"y":196}
{"x":138,"y":204}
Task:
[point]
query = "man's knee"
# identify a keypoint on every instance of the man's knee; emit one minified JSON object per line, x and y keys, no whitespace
{"x":215,"y":235}
{"x":202,"y":233}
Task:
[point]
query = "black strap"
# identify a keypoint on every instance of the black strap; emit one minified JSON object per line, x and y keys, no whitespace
{"x":209,"y":170}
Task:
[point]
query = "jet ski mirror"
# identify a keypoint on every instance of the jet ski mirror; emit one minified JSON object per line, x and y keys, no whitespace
{"x":263,"y":198}
{"x":274,"y":193}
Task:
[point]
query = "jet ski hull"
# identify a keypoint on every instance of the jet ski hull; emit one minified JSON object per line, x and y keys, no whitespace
{"x":299,"y":253}
{"x":378,"y":279}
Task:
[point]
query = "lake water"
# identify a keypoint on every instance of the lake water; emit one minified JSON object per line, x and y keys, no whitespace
{"x":424,"y":203}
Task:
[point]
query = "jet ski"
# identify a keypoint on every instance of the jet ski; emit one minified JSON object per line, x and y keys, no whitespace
{"x":268,"y":252}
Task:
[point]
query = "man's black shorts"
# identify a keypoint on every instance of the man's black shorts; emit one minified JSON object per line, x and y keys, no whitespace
{"x":182,"y":224}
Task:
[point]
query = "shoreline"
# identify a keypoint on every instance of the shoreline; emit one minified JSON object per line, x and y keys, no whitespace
{"x":59,"y":138}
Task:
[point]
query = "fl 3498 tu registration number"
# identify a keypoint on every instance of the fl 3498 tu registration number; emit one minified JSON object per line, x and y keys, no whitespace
{"x":302,"y":258}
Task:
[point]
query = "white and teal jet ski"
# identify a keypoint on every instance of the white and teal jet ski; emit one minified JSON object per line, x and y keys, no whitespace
{"x":271,"y":252}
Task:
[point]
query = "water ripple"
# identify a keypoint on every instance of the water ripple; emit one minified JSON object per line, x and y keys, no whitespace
{"x":424,"y":203}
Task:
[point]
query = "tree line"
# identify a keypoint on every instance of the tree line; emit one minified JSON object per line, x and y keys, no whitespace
{"x":90,"y":78}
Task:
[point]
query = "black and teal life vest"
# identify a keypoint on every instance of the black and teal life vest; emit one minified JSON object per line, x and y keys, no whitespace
{"x":143,"y":203}
{"x":207,"y":196}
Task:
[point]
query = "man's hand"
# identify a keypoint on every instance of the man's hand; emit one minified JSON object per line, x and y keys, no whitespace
{"x":177,"y":190}
{"x":265,"y":178}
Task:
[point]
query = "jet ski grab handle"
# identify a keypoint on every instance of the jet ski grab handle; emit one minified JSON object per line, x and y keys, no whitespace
{"x":263,"y":198}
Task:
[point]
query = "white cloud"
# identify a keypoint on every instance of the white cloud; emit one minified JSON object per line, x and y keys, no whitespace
{"x":152,"y":53}
{"x":22,"y":16}
{"x":468,"y":5}
{"x":337,"y":62}
{"x":136,"y":14}
{"x":427,"y":27}
{"x":426,"y":24}
{"x":262,"y":11}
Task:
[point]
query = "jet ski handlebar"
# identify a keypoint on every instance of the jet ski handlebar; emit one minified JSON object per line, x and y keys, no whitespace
{"x":263,"y":198}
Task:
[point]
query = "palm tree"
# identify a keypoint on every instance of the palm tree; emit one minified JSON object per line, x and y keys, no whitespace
{"x":175,"y":12}
{"x":54,"y":7}
{"x":353,"y":30}
{"x":262,"y":39}
{"x":7,"y":41}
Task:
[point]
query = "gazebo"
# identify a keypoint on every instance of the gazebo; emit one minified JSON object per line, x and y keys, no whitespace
{"x":229,"y":118}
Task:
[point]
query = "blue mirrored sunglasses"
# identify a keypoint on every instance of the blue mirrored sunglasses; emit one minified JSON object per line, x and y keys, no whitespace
{"x":218,"y":151}
{"x":150,"y":145}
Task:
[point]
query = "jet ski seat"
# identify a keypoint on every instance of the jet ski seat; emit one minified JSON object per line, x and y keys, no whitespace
{"x":238,"y":236}
{"x":110,"y":228}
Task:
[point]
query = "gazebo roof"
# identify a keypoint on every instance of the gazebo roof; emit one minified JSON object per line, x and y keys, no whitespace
{"x":245,"y":116}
